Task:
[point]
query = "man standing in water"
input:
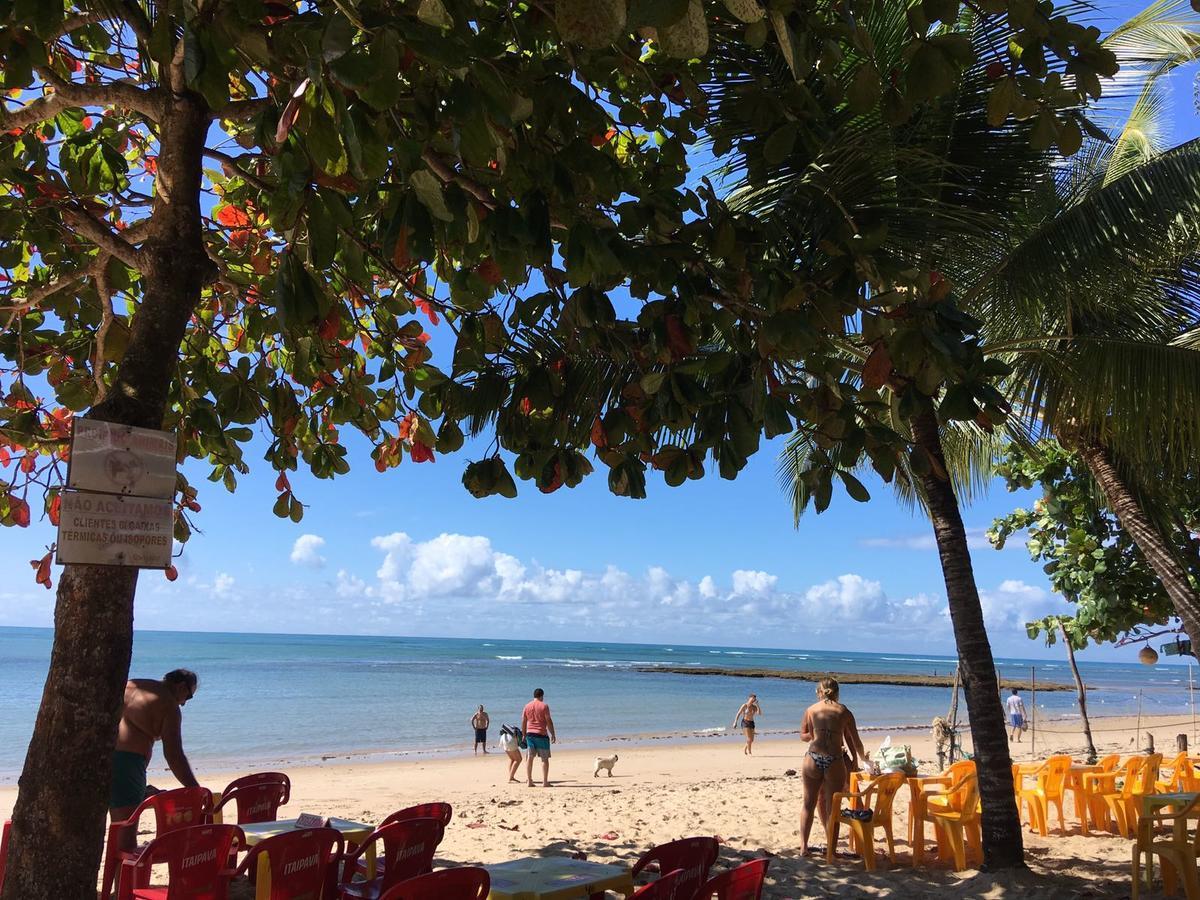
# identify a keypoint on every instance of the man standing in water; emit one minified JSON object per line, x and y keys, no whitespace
{"x":152,"y":712}
{"x":538,"y":729}
{"x":745,"y":717}
{"x":480,"y":722}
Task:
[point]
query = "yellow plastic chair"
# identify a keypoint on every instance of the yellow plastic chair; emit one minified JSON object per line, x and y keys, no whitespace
{"x":1081,"y":790}
{"x":1177,"y":850}
{"x":1178,"y":766}
{"x":862,"y":830}
{"x":1100,"y":784}
{"x":955,"y":818}
{"x":1124,"y":806}
{"x":1051,"y":781}
{"x":916,"y":812}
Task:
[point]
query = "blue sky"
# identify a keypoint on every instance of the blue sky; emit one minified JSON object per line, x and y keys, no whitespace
{"x":411,"y":552}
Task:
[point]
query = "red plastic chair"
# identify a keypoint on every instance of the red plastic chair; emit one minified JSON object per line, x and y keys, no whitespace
{"x":296,"y":865}
{"x":4,"y":850}
{"x":462,"y":883}
{"x":743,"y":883}
{"x":196,"y":858}
{"x":440,"y":811}
{"x":694,"y":855}
{"x":408,"y":849}
{"x":257,"y":797}
{"x":665,"y":888}
{"x":180,"y":808}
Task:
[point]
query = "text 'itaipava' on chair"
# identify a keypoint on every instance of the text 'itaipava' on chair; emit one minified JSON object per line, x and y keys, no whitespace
{"x":743,"y":883}
{"x":257,"y":797}
{"x":180,"y":808}
{"x":443,"y":812}
{"x":460,"y":883}
{"x":408,"y":849}
{"x":694,"y":855}
{"x":197,"y":865}
{"x":664,"y":888}
{"x":1176,"y":849}
{"x":955,"y":817}
{"x":295,"y":865}
{"x":872,"y":809}
{"x":1124,"y":805}
{"x":1048,"y":791}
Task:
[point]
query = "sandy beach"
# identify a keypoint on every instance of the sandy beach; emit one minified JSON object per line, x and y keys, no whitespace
{"x":661,"y":791}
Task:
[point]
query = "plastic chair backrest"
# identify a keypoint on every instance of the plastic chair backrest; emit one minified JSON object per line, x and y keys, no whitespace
{"x":1143,"y":781}
{"x":886,"y":787}
{"x":959,"y":769}
{"x":1053,"y":776}
{"x":461,"y":883}
{"x":1110,"y":762}
{"x":4,"y":850}
{"x":196,"y":858}
{"x":963,"y":796}
{"x":175,"y":809}
{"x":258,"y":796}
{"x":408,"y":849}
{"x":694,"y":855}
{"x":665,"y":888}
{"x":743,"y":883}
{"x":440,"y":811}
{"x":298,"y":863}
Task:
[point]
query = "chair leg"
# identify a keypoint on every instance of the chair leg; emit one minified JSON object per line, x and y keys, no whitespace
{"x":1136,"y":871}
{"x":891,"y":844}
{"x":954,"y":833}
{"x":865,"y":835}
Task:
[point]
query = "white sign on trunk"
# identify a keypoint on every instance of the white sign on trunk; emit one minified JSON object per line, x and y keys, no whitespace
{"x":121,"y":459}
{"x":110,"y":530}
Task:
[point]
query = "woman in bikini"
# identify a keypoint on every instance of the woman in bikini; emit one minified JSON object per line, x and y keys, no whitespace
{"x":827,"y":726}
{"x":745,"y":717}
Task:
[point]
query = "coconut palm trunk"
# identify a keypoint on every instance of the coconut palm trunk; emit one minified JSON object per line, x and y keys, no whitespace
{"x":1081,"y":691}
{"x":1146,"y":535}
{"x":1002,"y":842}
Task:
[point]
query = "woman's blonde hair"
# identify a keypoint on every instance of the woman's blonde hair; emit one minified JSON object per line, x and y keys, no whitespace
{"x":827,"y":689}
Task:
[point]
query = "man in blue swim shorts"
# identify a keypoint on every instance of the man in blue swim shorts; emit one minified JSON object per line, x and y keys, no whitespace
{"x":1016,"y":715}
{"x":538,"y":727}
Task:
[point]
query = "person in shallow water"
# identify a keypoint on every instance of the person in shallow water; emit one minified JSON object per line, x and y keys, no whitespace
{"x":744,"y":718}
{"x":827,"y":725}
{"x":153,"y":711}
{"x":480,"y":722}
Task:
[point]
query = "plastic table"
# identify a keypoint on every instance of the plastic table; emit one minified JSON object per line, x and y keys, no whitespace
{"x":556,"y":878}
{"x":353,"y":831}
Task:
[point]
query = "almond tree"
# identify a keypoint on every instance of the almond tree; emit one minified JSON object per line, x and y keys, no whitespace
{"x":229,"y":216}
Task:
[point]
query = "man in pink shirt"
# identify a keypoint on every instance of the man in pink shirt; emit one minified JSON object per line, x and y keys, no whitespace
{"x":538,"y":728}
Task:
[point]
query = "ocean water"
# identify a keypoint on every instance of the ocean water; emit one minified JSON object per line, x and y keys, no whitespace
{"x":276,"y":699}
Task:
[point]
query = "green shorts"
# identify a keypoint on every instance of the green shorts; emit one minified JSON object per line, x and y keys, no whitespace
{"x":128,"y":779}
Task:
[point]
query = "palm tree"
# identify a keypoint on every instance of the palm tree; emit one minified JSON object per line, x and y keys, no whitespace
{"x":954,"y":194}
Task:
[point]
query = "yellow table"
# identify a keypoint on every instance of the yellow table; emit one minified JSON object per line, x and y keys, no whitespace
{"x":355,"y":832}
{"x":556,"y":878}
{"x":1079,"y":794}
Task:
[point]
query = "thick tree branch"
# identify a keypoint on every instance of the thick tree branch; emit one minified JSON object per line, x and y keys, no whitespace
{"x":448,"y":173}
{"x":106,"y":319}
{"x":232,"y":163}
{"x":118,"y":94}
{"x":39,"y":110}
{"x":244,"y":110}
{"x":85,"y":225}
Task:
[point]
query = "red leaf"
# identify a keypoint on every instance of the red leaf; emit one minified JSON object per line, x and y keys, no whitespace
{"x":171,"y":573}
{"x":55,"y":509}
{"x":151,"y":165}
{"x":232,"y":217}
{"x":42,"y":569}
{"x":877,"y":368}
{"x":282,"y":483}
{"x":19,"y":510}
{"x":677,"y":338}
{"x":328,"y":329}
{"x":422,"y":453}
{"x":407,"y":426}
{"x":288,"y":118}
{"x":27,"y":462}
{"x":5,"y":457}
{"x":426,"y":307}
{"x":490,"y":272}
{"x":599,"y":437}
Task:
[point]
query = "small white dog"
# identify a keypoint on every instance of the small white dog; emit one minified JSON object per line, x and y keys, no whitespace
{"x":605,"y":762}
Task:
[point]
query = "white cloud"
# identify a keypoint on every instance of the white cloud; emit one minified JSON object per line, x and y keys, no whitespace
{"x":976,"y":540}
{"x":306,"y":551}
{"x":223,"y":585}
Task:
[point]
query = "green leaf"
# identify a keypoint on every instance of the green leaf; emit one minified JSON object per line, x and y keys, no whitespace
{"x":779,"y":145}
{"x":854,"y":487}
{"x":429,"y":192}
{"x":656,"y":13}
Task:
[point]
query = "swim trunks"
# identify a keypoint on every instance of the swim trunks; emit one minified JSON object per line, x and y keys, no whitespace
{"x":481,"y":735}
{"x":128,"y":779}
{"x":748,"y":724}
{"x":539,"y":745}
{"x":1017,"y":720}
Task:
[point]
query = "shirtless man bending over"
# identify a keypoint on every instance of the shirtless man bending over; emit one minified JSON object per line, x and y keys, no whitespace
{"x":152,"y":712}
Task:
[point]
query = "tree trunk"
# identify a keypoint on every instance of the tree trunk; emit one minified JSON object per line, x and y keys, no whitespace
{"x":1082,"y":692}
{"x":1002,"y":843}
{"x":59,"y":817}
{"x":1157,"y":549}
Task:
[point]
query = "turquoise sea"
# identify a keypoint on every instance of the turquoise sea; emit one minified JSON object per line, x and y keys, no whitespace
{"x":275,"y":699}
